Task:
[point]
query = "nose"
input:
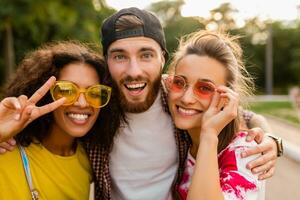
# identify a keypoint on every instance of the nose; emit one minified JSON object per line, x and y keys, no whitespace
{"x":81,"y":101}
{"x":134,"y":69}
{"x":188,"y":96}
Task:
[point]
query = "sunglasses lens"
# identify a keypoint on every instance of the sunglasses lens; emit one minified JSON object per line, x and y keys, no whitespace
{"x":204,"y":89}
{"x":64,"y":89}
{"x":98,"y":96}
{"x":176,"y":83}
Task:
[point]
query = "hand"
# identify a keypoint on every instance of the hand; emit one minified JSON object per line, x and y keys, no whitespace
{"x":222,"y":110}
{"x":17,"y":112}
{"x":9,"y":145}
{"x":256,"y":134}
{"x":265,"y":164}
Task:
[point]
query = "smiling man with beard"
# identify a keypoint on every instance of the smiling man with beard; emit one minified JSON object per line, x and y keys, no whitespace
{"x":147,"y":157}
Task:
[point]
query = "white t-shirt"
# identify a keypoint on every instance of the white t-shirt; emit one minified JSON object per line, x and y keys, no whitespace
{"x":144,"y":161}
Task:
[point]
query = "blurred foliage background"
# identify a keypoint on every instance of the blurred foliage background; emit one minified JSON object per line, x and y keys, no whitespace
{"x":26,"y":24}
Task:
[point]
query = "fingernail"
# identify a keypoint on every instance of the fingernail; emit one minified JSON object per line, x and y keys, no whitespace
{"x":17,"y":116}
{"x":18,"y":106}
{"x":243,"y":154}
{"x":2,"y":150}
{"x":12,"y":142}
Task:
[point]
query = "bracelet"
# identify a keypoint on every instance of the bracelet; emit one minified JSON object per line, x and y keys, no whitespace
{"x":279,"y":144}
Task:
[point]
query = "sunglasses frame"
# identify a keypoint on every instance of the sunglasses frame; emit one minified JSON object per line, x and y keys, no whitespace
{"x":81,"y":90}
{"x":169,"y":78}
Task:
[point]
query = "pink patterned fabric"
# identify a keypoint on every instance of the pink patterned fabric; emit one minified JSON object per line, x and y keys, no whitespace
{"x":237,"y":182}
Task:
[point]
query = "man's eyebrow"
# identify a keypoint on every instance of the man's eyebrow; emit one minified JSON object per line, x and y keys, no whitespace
{"x":114,"y":50}
{"x":147,"y":49}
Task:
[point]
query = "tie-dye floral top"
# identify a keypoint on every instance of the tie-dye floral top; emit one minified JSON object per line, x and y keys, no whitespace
{"x":237,"y":182}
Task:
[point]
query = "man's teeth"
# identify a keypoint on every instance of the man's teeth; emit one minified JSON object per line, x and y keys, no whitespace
{"x":78,"y":116}
{"x":187,"y":111}
{"x":135,"y":86}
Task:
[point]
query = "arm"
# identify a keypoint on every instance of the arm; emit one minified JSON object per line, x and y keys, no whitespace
{"x":205,"y":180}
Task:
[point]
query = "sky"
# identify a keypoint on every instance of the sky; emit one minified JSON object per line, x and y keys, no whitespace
{"x":265,"y":9}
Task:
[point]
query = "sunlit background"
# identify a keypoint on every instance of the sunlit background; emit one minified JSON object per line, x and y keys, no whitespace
{"x":270,"y":38}
{"x":282,"y":10}
{"x":270,"y":30}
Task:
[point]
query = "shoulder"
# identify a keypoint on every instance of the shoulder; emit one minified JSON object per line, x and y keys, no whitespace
{"x":239,"y":142}
{"x":230,"y":158}
{"x":238,"y":182}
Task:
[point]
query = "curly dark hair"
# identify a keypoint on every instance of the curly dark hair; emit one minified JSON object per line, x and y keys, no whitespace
{"x":38,"y":66}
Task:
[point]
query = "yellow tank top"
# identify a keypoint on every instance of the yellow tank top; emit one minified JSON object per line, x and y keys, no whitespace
{"x":55,"y":177}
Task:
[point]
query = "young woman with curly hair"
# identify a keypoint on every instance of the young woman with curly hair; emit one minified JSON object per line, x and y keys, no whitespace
{"x":47,"y":131}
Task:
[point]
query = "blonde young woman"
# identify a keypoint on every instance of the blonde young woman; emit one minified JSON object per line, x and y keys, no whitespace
{"x":207,"y":83}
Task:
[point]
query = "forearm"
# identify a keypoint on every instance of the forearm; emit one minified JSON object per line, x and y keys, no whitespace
{"x":205,"y":181}
{"x":261,"y":122}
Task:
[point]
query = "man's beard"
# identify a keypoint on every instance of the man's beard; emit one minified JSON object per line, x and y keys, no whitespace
{"x":134,"y":107}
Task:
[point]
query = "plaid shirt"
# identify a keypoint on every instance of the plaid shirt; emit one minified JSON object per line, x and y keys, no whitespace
{"x":99,"y":158}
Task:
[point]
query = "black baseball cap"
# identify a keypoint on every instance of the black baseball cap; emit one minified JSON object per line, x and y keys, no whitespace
{"x":151,"y":28}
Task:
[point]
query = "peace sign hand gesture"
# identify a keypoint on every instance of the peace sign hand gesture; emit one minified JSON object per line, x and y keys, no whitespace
{"x":17,"y":112}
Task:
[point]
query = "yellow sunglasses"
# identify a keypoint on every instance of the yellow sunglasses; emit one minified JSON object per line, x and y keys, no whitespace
{"x":97,"y":96}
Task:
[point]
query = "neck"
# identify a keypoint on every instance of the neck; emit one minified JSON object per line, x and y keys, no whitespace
{"x":195,"y":136}
{"x":60,"y":144}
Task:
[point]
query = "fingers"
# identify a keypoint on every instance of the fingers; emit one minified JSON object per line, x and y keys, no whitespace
{"x":267,"y":174}
{"x":230,"y":98}
{"x":2,"y":150}
{"x":23,"y":101}
{"x":229,"y":101}
{"x":215,"y":101}
{"x":26,"y":114}
{"x":7,"y":146}
{"x":12,"y":142}
{"x":267,"y":147}
{"x":256,"y":134}
{"x":11,"y":103}
{"x":39,"y":111}
{"x":42,"y":90}
{"x":16,"y":104}
{"x":263,"y":162}
{"x":263,"y":168}
{"x":252,"y":151}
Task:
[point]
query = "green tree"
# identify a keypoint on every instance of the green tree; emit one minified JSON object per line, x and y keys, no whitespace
{"x":221,"y":18}
{"x":167,"y":11}
{"x":26,"y":24}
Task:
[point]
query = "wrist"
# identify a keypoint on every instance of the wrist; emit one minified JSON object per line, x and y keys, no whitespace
{"x":209,"y":136}
{"x":279,"y":144}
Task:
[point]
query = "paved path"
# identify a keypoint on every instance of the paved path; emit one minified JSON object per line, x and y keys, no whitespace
{"x":287,"y":131}
{"x":284,"y":185}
